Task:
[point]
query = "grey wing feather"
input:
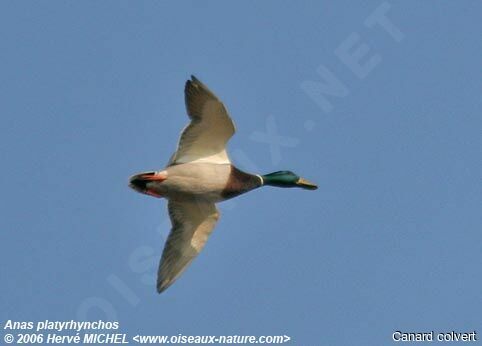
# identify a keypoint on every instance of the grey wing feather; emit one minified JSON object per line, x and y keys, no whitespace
{"x":204,"y":139}
{"x":192,"y":223}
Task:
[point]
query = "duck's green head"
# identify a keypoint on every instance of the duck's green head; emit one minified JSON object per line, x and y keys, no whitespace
{"x":287,"y":179}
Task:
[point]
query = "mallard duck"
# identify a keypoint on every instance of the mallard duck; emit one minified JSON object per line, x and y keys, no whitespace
{"x":199,"y":175}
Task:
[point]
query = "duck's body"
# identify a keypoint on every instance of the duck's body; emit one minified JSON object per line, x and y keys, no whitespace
{"x":202,"y":181}
{"x":199,"y":175}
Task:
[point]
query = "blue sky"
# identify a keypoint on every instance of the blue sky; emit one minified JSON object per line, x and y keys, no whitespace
{"x":92,"y":92}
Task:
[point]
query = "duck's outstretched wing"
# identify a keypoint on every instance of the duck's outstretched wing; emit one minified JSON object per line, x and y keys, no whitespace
{"x":205,"y":138}
{"x":192,"y":223}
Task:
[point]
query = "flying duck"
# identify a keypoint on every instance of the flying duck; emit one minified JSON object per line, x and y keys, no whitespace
{"x":199,"y":175}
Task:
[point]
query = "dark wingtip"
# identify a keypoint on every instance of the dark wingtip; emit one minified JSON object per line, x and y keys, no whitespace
{"x":193,"y":82}
{"x":162,"y":284}
{"x":188,"y":87}
{"x":161,"y":288}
